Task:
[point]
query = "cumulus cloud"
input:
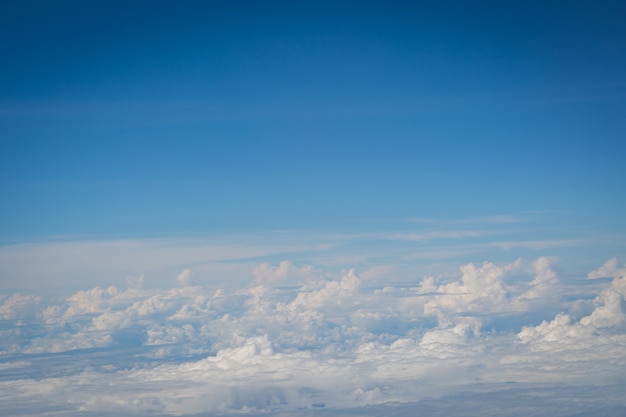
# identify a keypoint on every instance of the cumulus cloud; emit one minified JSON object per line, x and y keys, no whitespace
{"x":297,"y":338}
{"x":266,"y":273}
{"x":483,"y":290}
{"x":609,"y":269}
{"x":608,"y":313}
{"x":184,"y":278}
{"x":544,"y":282}
{"x":596,"y":342}
{"x":479,"y":290}
{"x":18,"y":306}
{"x":90,"y":301}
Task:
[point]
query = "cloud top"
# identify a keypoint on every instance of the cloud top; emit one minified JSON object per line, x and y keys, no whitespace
{"x":297,"y":337}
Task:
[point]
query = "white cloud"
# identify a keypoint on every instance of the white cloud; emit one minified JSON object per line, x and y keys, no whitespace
{"x":319,"y":340}
{"x":535,"y":244}
{"x":266,"y":273}
{"x":609,"y":269}
{"x":439,"y":234}
{"x":597,"y":340}
{"x":19,"y":306}
{"x":184,"y":278}
{"x":544,"y":282}
{"x":480,"y":291}
{"x":497,"y":219}
{"x":78,"y":263}
{"x":91,"y":301}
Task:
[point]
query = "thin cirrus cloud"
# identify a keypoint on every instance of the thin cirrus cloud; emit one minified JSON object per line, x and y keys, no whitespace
{"x":497,"y":219}
{"x":77,"y":264}
{"x":298,"y":338}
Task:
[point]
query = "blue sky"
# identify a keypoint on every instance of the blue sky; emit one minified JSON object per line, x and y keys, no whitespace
{"x":151,"y":118}
{"x":192,"y":191}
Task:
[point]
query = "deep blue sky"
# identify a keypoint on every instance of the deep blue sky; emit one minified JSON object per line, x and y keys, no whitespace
{"x":188,"y":118}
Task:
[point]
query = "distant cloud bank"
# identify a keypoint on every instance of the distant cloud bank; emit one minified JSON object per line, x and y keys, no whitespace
{"x":298,"y":338}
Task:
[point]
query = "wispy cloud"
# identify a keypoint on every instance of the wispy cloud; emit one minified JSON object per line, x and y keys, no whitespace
{"x":75,"y":263}
{"x":439,"y":235}
{"x":489,"y":220}
{"x":537,"y":244}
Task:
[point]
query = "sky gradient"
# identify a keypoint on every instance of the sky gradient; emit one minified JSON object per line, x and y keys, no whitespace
{"x":214,"y":195}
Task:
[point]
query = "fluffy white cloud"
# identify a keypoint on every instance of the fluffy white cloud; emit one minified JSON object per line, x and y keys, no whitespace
{"x":19,"y":306}
{"x":91,"y":301}
{"x":544,"y":282}
{"x":318,"y":341}
{"x":608,"y":313}
{"x":266,"y":273}
{"x":592,"y":348}
{"x":609,"y":269}
{"x":184,"y":278}
{"x":481,"y":289}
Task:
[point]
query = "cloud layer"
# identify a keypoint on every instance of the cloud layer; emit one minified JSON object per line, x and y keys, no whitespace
{"x":299,"y":338}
